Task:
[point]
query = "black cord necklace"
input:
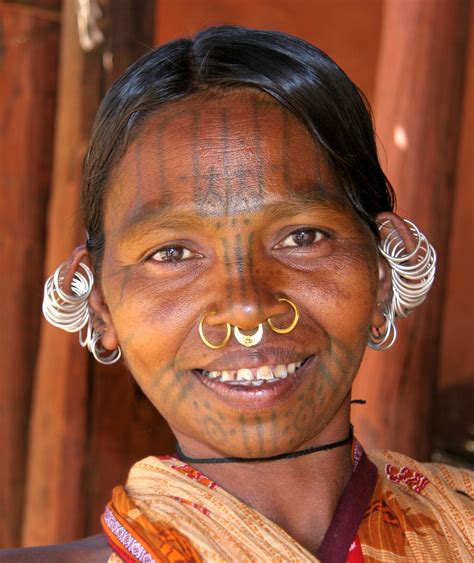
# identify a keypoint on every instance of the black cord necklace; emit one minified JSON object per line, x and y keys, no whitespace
{"x":183,"y":457}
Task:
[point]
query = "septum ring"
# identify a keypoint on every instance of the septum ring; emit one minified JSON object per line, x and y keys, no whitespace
{"x":248,"y":340}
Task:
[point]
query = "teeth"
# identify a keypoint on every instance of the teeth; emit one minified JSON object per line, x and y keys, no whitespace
{"x":280,"y":371}
{"x":228,"y":375}
{"x":253,"y":383}
{"x":255,"y":376}
{"x":244,"y":375}
{"x":264,"y":372}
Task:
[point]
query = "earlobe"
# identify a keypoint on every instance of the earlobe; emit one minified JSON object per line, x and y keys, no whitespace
{"x":101,"y":319}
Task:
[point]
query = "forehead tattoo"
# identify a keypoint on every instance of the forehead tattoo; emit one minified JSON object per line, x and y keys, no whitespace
{"x":226,"y":166}
{"x":227,"y":189}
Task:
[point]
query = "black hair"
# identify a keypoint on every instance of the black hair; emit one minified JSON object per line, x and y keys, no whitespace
{"x":298,"y":75}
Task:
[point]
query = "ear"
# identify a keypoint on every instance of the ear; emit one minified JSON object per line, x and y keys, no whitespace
{"x":99,"y":313}
{"x":392,"y":222}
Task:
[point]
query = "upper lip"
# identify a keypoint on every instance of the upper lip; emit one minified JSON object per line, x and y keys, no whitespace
{"x":254,"y":358}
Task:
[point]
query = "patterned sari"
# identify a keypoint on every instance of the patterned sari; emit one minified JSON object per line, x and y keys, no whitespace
{"x":392,"y":509}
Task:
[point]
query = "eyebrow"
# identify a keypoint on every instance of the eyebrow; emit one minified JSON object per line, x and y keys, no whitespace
{"x":167,"y":217}
{"x":164,"y":217}
{"x":302,"y":200}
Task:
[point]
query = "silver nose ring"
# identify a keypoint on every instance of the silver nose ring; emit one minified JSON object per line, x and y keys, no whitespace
{"x":249,"y":340}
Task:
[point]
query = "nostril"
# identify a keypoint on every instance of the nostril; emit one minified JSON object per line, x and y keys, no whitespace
{"x":214,"y":319}
{"x":247,"y":316}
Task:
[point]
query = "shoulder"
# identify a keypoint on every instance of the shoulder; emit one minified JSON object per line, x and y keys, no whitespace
{"x":443,"y":492}
{"x":94,"y":549}
{"x":431,"y":503}
{"x":401,"y":469}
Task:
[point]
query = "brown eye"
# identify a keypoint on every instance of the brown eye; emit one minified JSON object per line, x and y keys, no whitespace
{"x":172,"y":254}
{"x":301,"y":237}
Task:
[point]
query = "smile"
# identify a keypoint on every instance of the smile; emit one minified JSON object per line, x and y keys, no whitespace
{"x":252,"y":376}
{"x":257,"y":387}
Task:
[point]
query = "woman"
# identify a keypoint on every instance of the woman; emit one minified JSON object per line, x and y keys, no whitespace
{"x":242,"y":252}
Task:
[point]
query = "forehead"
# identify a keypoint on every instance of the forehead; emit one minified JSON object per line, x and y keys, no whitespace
{"x":217,"y":153}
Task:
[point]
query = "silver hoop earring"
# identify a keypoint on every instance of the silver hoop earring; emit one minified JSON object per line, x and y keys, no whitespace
{"x":410,"y":282}
{"x":70,"y":311}
{"x":384,"y":339}
{"x":101,"y":354}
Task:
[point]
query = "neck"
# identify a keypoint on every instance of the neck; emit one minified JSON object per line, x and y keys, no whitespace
{"x":277,"y":457}
{"x":299,"y":494}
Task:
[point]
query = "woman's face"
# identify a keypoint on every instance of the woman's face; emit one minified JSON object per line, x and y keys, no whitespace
{"x":224,"y":204}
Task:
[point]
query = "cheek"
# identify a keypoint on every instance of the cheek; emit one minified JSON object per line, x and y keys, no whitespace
{"x":145,"y":318}
{"x":340,"y":301}
{"x":156,"y":325}
{"x":341,"y":293}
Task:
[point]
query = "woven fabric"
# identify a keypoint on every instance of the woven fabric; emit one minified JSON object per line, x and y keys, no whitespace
{"x":169,"y":511}
{"x":419,"y":512}
{"x":172,"y":494}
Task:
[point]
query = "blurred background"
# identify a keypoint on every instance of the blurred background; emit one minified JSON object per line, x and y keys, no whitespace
{"x":69,"y":427}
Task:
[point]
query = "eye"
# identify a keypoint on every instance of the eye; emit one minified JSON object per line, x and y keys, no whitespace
{"x":172,"y":253}
{"x":301,"y":237}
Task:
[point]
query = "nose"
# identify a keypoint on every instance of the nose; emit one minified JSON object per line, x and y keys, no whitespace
{"x":249,"y":291}
{"x":248,"y":315}
{"x":247,"y":311}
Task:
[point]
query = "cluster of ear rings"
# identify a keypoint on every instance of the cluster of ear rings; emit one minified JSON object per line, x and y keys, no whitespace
{"x":70,"y":310}
{"x":412,"y":274}
{"x":412,"y":277}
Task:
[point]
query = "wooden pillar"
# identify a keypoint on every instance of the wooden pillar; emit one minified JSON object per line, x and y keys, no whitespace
{"x":454,"y":431}
{"x":56,"y":508}
{"x":28,"y":74}
{"x":417,"y":113}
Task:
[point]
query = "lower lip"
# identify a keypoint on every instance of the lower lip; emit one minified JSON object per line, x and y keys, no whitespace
{"x":262,"y":396}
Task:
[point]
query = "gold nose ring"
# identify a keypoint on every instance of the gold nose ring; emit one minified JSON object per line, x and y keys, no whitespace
{"x":206,"y":341}
{"x":289,"y":328}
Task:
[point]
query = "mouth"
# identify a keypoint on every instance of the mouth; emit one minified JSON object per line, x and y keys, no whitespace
{"x":252,"y":377}
{"x":258,"y":387}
